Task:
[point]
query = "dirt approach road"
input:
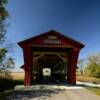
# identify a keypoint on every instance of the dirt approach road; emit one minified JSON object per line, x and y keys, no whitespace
{"x":52,"y":92}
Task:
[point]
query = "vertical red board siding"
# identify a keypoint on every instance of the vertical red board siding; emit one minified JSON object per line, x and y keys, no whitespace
{"x":72,"y":66}
{"x":28,"y":65}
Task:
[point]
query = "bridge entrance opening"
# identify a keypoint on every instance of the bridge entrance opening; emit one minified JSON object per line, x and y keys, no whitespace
{"x":49,"y":67}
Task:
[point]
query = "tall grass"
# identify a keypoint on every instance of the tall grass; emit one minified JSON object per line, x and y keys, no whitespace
{"x":85,"y":78}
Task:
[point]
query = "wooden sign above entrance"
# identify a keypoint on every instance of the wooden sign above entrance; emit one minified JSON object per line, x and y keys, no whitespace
{"x":52,"y":39}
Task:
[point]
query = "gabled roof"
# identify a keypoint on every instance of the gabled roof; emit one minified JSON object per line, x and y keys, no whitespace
{"x":52,"y":32}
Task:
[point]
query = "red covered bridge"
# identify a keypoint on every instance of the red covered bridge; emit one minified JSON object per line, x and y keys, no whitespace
{"x":50,"y":57}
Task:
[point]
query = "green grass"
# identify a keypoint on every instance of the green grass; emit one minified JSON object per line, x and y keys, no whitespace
{"x":94,"y":89}
{"x":7,"y":87}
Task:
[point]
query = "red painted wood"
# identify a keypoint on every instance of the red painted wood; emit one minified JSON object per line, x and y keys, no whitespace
{"x":26,"y":79}
{"x":27,"y":65}
{"x":39,"y":41}
{"x":72,"y":66}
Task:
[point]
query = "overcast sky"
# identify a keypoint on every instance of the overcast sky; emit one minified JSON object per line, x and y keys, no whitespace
{"x":78,"y":19}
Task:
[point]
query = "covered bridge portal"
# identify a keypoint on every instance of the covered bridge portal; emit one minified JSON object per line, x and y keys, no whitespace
{"x":50,"y":58}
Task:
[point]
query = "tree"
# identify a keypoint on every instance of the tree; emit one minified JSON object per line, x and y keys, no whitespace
{"x":93,"y":65}
{"x":81,"y":66}
{"x":2,"y":55}
{"x":5,"y":62}
{"x":3,"y":15}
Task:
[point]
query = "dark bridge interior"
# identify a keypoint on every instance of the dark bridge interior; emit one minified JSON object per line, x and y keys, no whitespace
{"x":55,"y":61}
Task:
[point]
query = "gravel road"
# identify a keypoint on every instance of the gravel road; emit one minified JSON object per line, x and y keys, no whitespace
{"x":52,"y":92}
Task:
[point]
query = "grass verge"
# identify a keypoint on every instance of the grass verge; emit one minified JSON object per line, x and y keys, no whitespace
{"x":7,"y":87}
{"x":94,"y":89}
{"x":84,"y":78}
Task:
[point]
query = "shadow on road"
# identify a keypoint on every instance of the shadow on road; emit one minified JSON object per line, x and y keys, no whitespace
{"x":41,"y":91}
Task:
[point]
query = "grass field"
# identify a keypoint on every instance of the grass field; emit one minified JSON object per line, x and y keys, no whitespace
{"x":13,"y":75}
{"x":84,"y":78}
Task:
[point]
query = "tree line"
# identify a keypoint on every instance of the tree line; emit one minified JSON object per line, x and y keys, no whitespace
{"x":90,"y":66}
